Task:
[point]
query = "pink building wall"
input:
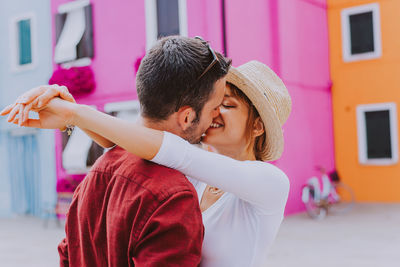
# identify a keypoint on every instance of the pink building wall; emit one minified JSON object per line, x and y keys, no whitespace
{"x":289,"y":36}
{"x":120,"y":39}
{"x":292,"y":38}
{"x":304,"y":67}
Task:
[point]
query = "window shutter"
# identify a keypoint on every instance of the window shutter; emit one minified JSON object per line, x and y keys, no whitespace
{"x":25,"y":49}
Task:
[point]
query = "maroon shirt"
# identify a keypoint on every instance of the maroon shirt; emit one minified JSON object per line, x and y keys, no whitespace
{"x":132,"y":212}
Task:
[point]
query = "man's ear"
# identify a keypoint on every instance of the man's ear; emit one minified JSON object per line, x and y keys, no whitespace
{"x":186,"y":115}
{"x":258,"y":127}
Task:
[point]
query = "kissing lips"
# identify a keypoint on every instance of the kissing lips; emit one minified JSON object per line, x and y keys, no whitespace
{"x":215,"y":125}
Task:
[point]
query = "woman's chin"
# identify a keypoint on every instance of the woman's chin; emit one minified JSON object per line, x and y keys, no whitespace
{"x":210,"y":140}
{"x":212,"y":136}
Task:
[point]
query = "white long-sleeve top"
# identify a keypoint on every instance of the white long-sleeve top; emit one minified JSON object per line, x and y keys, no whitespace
{"x":242,"y":224}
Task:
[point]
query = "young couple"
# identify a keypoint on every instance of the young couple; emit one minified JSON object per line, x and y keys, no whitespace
{"x":145,"y":201}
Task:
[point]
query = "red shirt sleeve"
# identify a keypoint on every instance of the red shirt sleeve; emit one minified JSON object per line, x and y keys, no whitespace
{"x":173,"y":235}
{"x":63,"y":246}
{"x":63,"y":252}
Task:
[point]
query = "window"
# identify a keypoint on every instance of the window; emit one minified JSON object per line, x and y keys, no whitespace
{"x":164,"y":18}
{"x":377,"y":134}
{"x":74,"y":33}
{"x":127,"y":110}
{"x":167,"y":18}
{"x":76,"y":149}
{"x":23,"y":42}
{"x":361,"y":34}
{"x":79,"y":152}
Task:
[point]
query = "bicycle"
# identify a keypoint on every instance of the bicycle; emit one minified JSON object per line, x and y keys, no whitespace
{"x":335,"y":196}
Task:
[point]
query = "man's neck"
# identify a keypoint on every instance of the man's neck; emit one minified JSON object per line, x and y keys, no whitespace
{"x":164,"y":125}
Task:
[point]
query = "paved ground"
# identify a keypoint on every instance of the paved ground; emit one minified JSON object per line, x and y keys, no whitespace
{"x":369,"y":236}
{"x":25,"y":242}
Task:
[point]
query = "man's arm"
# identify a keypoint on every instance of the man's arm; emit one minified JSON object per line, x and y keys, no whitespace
{"x":173,"y":235}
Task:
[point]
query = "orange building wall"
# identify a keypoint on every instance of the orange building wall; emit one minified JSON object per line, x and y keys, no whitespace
{"x":364,"y":82}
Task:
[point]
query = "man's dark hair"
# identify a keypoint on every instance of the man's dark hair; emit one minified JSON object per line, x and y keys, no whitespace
{"x":167,"y":78}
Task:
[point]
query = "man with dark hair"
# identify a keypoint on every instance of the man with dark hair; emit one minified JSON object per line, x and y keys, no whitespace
{"x":177,"y":74}
{"x":132,"y":212}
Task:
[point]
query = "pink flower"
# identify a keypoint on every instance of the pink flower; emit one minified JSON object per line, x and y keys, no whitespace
{"x":137,"y":62}
{"x":78,"y":80}
{"x":68,"y":184}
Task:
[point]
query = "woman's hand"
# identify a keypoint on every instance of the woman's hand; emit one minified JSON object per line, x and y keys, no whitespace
{"x":56,"y":114}
{"x":35,"y":99}
{"x":53,"y":112}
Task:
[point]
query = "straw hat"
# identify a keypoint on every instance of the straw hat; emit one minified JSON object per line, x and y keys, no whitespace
{"x":271,"y":99}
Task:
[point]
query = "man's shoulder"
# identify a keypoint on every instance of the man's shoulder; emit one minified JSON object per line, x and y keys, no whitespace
{"x":157,"y":179}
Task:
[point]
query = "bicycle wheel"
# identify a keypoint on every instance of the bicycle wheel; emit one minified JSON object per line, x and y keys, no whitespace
{"x":313,"y":207}
{"x":344,"y":199}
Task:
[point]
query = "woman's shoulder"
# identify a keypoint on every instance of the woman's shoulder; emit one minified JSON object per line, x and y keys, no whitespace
{"x":270,"y":180}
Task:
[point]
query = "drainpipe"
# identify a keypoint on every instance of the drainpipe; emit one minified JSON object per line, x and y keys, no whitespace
{"x":223,"y":16}
{"x":275,"y":37}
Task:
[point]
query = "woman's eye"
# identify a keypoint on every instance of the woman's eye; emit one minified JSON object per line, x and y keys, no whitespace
{"x":228,"y":106}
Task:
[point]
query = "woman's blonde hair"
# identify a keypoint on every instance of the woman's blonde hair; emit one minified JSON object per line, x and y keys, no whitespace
{"x":259,"y":141}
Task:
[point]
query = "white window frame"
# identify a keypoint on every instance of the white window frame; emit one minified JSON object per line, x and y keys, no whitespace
{"x":151,"y":21}
{"x":80,"y":151}
{"x":346,"y":40}
{"x":130,"y":105}
{"x":362,"y":135}
{"x":14,"y":42}
{"x":70,"y":6}
{"x":65,"y":8}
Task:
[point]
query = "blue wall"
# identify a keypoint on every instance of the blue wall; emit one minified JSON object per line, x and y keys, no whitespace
{"x":14,"y":83}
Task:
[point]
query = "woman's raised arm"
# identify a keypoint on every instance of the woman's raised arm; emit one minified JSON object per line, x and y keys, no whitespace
{"x":38,"y":97}
{"x":137,"y":139}
{"x":56,"y":114}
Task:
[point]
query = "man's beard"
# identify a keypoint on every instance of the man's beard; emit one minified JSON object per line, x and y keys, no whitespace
{"x":192,"y":134}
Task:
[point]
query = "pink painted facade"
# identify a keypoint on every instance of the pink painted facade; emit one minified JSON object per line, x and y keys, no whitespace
{"x":304,"y":67}
{"x":289,"y":36}
{"x":292,"y":38}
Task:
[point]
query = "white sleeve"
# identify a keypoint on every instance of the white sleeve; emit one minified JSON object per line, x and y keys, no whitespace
{"x":256,"y":182}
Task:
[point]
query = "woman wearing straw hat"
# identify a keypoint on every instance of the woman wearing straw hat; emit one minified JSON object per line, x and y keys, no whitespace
{"x":241,"y":197}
